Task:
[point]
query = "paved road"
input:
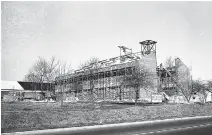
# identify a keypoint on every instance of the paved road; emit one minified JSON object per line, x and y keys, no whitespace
{"x":177,"y":126}
{"x":203,"y":129}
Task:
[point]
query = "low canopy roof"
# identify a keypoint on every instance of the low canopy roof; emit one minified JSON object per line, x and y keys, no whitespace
{"x":10,"y":85}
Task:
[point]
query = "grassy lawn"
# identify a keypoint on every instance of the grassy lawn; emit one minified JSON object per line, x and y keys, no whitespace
{"x":22,"y":116}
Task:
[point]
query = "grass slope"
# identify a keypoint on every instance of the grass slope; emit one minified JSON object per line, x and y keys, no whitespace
{"x":33,"y":116}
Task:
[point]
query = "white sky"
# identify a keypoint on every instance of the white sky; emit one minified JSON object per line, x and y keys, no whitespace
{"x":76,"y":31}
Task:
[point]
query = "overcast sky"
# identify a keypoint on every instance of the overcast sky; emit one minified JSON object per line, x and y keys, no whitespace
{"x":76,"y":31}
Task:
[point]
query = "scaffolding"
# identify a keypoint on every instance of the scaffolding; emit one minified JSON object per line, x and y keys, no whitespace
{"x":102,"y":79}
{"x":148,"y":46}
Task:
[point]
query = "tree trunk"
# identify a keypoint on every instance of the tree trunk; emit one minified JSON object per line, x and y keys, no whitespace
{"x":91,"y":88}
{"x":136,"y":95}
{"x":120,"y":93}
{"x":205,"y":96}
{"x":62,"y":96}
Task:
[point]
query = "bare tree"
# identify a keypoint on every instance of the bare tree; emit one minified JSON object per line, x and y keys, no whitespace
{"x":209,"y":85}
{"x":43,"y":71}
{"x":77,"y":86}
{"x":91,"y":66}
{"x":199,"y":87}
{"x":31,"y":77}
{"x":140,"y":77}
{"x":62,"y":73}
{"x":169,"y":62}
{"x":90,"y":62}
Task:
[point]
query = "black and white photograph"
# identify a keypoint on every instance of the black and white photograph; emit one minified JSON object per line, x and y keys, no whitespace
{"x":106,"y":67}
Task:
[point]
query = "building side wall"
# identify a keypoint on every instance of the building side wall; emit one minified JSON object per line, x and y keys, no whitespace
{"x":183,"y":77}
{"x":106,"y":88}
{"x":149,"y":62}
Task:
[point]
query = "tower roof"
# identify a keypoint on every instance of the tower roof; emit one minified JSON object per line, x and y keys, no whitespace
{"x":148,"y":42}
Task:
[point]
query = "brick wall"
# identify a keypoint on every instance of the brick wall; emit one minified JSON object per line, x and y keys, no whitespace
{"x":149,"y":62}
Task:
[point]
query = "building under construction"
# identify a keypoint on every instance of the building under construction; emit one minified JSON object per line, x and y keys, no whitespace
{"x":103,"y":79}
{"x":175,"y":80}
